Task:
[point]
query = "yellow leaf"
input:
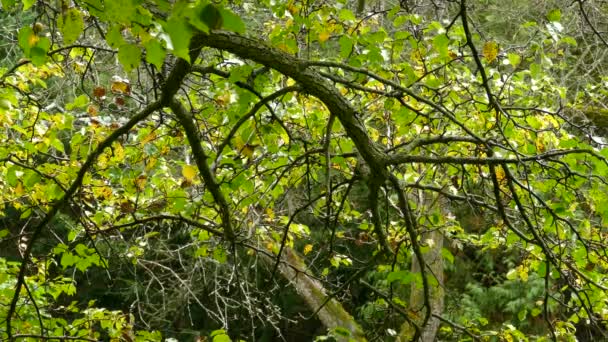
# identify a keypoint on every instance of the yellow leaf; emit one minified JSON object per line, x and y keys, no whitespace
{"x":118,"y":152}
{"x":140,"y":182}
{"x":223,"y":99}
{"x":92,"y":110}
{"x":307,"y":249}
{"x":293,"y":10}
{"x":324,"y":36}
{"x":165,"y":149}
{"x":148,"y":138}
{"x":270,"y":214}
{"x":283,"y":47}
{"x":151,"y":163}
{"x":500,"y":174}
{"x":490,"y":51}
{"x":104,"y":192}
{"x":540,"y":145}
{"x":189,"y":172}
{"x":32,"y":39}
{"x":19,"y":189}
{"x":247,"y":150}
{"x":120,"y":85}
{"x":127,"y":207}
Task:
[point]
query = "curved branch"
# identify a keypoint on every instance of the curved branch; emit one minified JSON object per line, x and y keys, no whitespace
{"x":312,"y":83}
{"x":185,"y":119}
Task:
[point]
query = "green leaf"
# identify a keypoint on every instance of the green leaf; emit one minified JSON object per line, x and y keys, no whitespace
{"x":400,"y":20}
{"x":26,"y":4}
{"x":8,"y":5}
{"x":11,"y":176}
{"x":212,"y":18}
{"x":57,"y":144}
{"x":155,"y":53}
{"x":72,"y":235}
{"x":514,"y":59}
{"x":67,"y":259}
{"x":346,"y":14}
{"x":26,"y":39}
{"x":346,"y":46}
{"x":542,"y":269}
{"x":220,"y":336}
{"x":535,"y":70}
{"x":535,"y":312}
{"x":219,"y":255}
{"x":123,"y":11}
{"x":441,"y":43}
{"x":114,"y":37}
{"x":129,"y":56}
{"x":568,"y":40}
{"x":180,"y":33}
{"x":78,"y":102}
{"x":232,"y":22}
{"x":27,"y":213}
{"x":342,"y":331}
{"x":512,"y":274}
{"x":447,"y":255}
{"x":31,"y":178}
{"x":554,"y":15}
{"x":521,"y":315}
{"x":404,"y":277}
{"x":38,"y":53}
{"x":71,"y":25}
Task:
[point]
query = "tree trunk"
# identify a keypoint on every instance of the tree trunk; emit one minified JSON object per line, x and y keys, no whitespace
{"x":332,"y":314}
{"x":434,"y":261}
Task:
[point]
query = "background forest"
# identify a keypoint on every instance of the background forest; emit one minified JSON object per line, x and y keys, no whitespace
{"x":371,"y":170}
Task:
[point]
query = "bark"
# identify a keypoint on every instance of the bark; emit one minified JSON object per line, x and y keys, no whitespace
{"x":331,"y":313}
{"x":434,"y":262}
{"x":312,"y":83}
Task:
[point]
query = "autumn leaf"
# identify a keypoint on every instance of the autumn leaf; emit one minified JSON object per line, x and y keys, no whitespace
{"x":185,"y":184}
{"x":104,"y":192}
{"x":500,"y":174}
{"x":19,"y":189}
{"x":324,"y":36}
{"x":99,"y":92}
{"x":126,"y":207}
{"x":248,"y":149}
{"x":307,"y":249}
{"x":223,"y":99}
{"x":92,"y":110}
{"x":151,"y":163}
{"x":490,"y":51}
{"x":120,"y":85}
{"x":32,"y":39}
{"x":140,"y":182}
{"x":540,"y":145}
{"x":189,"y":172}
{"x":148,"y":138}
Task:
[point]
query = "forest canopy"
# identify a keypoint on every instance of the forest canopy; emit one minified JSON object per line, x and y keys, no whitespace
{"x":378,"y":170}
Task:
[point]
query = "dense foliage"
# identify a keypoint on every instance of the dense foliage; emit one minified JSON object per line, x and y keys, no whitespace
{"x":303,"y":170}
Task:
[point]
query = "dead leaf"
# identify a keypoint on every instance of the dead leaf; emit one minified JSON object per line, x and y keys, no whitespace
{"x":99,"y":92}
